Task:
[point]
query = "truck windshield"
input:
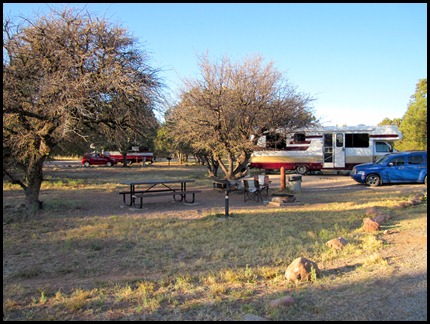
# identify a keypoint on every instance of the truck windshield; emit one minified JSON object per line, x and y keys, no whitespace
{"x":383,"y":147}
{"x":382,"y":159}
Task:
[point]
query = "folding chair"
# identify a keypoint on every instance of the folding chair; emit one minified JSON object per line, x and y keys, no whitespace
{"x":264,"y":182}
{"x":252,"y":190}
{"x":248,"y":190}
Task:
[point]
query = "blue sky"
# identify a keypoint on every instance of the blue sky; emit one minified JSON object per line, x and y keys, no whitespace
{"x":361,"y":62}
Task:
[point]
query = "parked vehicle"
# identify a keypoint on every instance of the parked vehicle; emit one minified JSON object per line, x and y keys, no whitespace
{"x":97,"y":159}
{"x":400,"y":167}
{"x":132,"y":156}
{"x":324,"y":148}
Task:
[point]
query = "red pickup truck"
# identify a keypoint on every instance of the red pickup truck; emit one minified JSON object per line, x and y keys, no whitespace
{"x":132,"y":156}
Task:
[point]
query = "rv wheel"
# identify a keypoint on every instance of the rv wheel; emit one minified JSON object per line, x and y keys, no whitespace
{"x":302,"y":169}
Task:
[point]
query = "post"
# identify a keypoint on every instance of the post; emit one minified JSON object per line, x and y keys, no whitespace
{"x":282,"y":178}
{"x":226,"y":199}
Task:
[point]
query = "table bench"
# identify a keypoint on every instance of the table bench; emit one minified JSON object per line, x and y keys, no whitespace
{"x":183,"y":194}
{"x":125,"y":193}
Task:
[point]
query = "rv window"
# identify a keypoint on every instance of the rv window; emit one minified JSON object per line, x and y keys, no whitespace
{"x":339,"y":140}
{"x":382,"y":147}
{"x":328,"y":140}
{"x":299,"y":138}
{"x":356,"y":140}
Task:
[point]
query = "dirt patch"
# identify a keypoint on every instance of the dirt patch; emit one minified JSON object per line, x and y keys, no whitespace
{"x":102,"y":202}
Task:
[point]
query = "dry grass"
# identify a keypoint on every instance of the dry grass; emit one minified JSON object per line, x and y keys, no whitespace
{"x":63,"y":266}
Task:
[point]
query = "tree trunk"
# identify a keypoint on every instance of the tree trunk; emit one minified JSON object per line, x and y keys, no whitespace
{"x":215,"y":168}
{"x":200,"y":159}
{"x":124,"y":159}
{"x":32,"y":190}
{"x":241,"y":167}
{"x":212,"y":165}
{"x":234,"y":173}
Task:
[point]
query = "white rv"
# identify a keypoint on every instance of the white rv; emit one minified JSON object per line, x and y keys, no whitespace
{"x":324,"y":148}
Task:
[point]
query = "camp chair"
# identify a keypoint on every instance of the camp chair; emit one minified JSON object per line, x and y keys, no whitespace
{"x":249,"y":190}
{"x":264,"y":182}
{"x":252,"y":190}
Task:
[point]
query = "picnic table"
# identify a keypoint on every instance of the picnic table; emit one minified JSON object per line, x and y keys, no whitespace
{"x":155,"y":188}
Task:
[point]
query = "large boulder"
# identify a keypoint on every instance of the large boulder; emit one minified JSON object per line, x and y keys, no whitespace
{"x":377,"y":215}
{"x":370,"y":225}
{"x":300,"y":270}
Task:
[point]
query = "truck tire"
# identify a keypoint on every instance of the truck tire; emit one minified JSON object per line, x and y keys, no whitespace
{"x":302,"y":169}
{"x":373,"y":180}
{"x":109,"y":164}
{"x":87,"y":164}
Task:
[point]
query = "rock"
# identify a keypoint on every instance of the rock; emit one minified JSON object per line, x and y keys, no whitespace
{"x":369,"y":225}
{"x":274,"y":204}
{"x":403,"y":204}
{"x":283,"y":198}
{"x":377,"y":215}
{"x":414,"y":202}
{"x":283,"y":301}
{"x":301,"y":269}
{"x":372,"y":211}
{"x":388,"y":216}
{"x":277,"y":199}
{"x":419,"y":196}
{"x":337,"y":243}
{"x":380,"y":219}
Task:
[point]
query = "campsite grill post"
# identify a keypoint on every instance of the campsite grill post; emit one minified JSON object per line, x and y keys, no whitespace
{"x":227,"y":190}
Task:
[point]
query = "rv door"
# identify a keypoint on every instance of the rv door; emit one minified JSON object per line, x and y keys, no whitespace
{"x":328,"y":151}
{"x":339,"y":151}
{"x":334,"y":150}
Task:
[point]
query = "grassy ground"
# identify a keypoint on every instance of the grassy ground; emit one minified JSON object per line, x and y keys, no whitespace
{"x":63,"y":264}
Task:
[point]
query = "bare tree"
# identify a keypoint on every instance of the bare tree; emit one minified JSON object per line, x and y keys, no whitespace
{"x":63,"y":76}
{"x":231,"y":102}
